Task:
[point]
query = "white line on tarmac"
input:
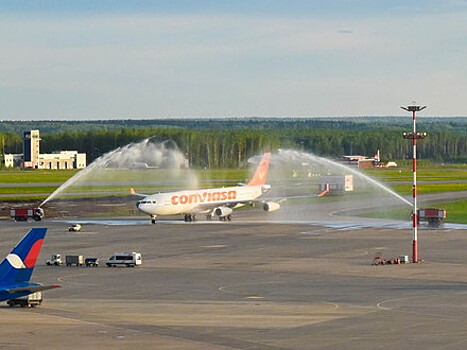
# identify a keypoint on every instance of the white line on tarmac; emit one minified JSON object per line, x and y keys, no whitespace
{"x":379,"y":306}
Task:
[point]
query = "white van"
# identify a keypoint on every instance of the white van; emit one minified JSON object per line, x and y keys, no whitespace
{"x":125,"y":259}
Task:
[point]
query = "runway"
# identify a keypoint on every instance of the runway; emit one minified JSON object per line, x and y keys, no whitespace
{"x":244,"y":286}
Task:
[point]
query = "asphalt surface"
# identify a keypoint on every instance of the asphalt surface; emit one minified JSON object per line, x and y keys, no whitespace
{"x":246,"y":284}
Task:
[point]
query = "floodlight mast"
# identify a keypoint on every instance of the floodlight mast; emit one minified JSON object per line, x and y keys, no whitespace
{"x":414,"y":136}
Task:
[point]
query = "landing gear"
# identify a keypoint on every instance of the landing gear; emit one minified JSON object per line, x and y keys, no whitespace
{"x":225,"y":218}
{"x":190,"y":217}
{"x":209,"y":216}
{"x":153,"y":219}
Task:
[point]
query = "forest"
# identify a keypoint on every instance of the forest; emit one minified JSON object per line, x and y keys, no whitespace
{"x":230,"y":142}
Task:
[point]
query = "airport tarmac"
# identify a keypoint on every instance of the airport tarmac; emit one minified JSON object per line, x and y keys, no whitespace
{"x":244,"y":285}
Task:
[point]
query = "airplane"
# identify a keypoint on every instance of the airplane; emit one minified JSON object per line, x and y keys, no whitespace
{"x":215,"y":201}
{"x":16,"y":269}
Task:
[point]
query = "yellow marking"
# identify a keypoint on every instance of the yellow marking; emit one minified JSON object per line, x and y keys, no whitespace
{"x":61,"y":279}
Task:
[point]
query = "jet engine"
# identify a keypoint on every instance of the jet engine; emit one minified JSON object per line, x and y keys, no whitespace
{"x":223,"y":211}
{"x":271,"y":206}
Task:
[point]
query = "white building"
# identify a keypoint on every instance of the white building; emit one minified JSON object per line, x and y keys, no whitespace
{"x":13,"y":160}
{"x":62,"y":160}
{"x":32,"y":158}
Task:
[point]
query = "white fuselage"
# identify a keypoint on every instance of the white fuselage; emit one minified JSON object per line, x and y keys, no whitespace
{"x":199,"y":201}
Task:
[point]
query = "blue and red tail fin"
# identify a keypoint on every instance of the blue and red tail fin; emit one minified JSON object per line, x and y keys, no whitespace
{"x":259,"y":177}
{"x":19,"y":264}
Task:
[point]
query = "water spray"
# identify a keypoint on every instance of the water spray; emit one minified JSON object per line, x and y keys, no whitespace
{"x":150,"y":154}
{"x":310,"y":157}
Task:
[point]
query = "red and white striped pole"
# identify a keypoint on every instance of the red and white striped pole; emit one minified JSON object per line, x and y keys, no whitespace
{"x":414,"y":136}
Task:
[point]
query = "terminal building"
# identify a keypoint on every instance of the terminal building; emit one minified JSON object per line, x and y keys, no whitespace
{"x":33,"y":159}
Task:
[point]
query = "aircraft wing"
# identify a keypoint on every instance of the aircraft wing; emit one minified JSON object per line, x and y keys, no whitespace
{"x":284,"y":198}
{"x":208,"y":207}
{"x":32,"y":288}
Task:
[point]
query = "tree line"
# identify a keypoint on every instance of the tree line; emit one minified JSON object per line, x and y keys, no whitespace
{"x":456,"y":125}
{"x":232,"y":147}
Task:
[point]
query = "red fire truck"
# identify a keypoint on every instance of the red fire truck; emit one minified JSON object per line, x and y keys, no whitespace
{"x":432,"y":215}
{"x":23,"y":214}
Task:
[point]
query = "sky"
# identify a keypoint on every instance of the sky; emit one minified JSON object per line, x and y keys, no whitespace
{"x":77,"y":60}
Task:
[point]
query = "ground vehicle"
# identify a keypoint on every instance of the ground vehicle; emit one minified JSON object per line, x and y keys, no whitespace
{"x":91,"y":262}
{"x":23,"y":214}
{"x":432,"y":215}
{"x":55,"y":259}
{"x":30,"y":300}
{"x":125,"y":259}
{"x":75,"y":228}
{"x":77,"y":260}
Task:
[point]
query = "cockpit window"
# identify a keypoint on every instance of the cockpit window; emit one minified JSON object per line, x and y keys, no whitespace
{"x":147,"y":202}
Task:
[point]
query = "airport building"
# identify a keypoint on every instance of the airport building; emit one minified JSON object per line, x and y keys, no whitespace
{"x":33,"y":159}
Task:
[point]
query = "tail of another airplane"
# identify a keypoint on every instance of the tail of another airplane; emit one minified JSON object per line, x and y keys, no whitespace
{"x":17,"y":267}
{"x":259,"y":177}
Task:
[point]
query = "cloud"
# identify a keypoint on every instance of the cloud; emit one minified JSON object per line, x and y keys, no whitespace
{"x":195,"y":64}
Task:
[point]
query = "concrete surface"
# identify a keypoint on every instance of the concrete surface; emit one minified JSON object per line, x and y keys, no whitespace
{"x":244,"y":286}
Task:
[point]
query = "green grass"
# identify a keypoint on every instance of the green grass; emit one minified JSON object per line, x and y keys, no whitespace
{"x":23,"y":198}
{"x":41,"y":176}
{"x":438,"y":173}
{"x":405,"y":174}
{"x":13,"y":190}
{"x":37,"y":181}
{"x":456,"y":212}
{"x":213,"y":177}
{"x":222,"y":174}
{"x":431,"y":173}
{"x":35,"y":176}
{"x":395,"y":214}
{"x":430,"y":188}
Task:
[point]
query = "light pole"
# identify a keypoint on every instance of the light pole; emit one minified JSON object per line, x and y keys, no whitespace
{"x":414,"y":136}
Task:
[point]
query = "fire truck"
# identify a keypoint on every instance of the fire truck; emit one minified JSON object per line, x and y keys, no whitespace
{"x":23,"y":214}
{"x":432,"y":215}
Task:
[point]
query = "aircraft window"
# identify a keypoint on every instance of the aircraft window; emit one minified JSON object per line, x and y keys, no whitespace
{"x":153,"y":202}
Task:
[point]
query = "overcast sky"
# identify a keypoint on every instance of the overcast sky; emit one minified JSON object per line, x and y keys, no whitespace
{"x":154,"y":59}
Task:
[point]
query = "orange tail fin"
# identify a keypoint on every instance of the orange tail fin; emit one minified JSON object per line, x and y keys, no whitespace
{"x":326,"y":190}
{"x":259,"y":178}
